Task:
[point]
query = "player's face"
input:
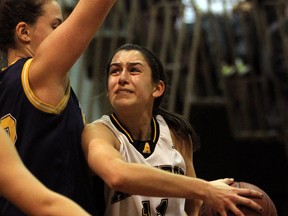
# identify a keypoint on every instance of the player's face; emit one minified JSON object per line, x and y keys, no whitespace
{"x":45,"y":24}
{"x":129,"y":82}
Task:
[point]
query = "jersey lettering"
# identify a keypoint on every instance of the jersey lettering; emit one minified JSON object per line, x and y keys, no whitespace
{"x":178,"y":170}
{"x":147,"y":149}
{"x":146,"y":211}
{"x":118,"y":196}
{"x":169,"y":168}
{"x":8,"y":123}
{"x":160,"y":209}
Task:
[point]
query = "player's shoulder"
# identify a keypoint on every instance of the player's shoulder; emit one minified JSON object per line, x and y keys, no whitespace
{"x":92,"y":126}
{"x":99,"y":131}
{"x":96,"y":127}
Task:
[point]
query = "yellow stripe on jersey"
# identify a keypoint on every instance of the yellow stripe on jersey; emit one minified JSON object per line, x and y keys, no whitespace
{"x":126,"y":132}
{"x":36,"y":101}
{"x":155,"y":130}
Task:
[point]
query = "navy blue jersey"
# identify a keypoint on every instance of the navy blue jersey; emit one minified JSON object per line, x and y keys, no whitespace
{"x":47,"y":138}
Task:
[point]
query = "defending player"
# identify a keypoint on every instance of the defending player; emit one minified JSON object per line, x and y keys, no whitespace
{"x":39,"y":109}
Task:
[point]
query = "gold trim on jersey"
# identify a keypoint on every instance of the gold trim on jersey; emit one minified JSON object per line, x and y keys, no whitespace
{"x":4,"y":68}
{"x":154,"y":129}
{"x":123,"y":129}
{"x":36,"y":101}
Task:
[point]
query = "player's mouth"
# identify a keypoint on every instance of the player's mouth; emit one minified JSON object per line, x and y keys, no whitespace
{"x":123,"y":91}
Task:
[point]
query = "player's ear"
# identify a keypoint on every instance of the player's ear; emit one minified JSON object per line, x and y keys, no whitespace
{"x":159,"y":89}
{"x":22,"y":32}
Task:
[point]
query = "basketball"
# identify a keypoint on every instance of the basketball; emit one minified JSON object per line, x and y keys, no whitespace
{"x":266,"y":203}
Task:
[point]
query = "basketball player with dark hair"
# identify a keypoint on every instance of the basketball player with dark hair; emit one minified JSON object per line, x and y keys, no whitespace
{"x":144,"y":153}
{"x":39,"y":109}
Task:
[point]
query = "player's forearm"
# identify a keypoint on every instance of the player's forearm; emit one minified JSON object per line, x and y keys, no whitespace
{"x":148,"y":181}
{"x":54,"y":204}
{"x":78,"y":30}
{"x":33,"y":198}
{"x":88,"y":16}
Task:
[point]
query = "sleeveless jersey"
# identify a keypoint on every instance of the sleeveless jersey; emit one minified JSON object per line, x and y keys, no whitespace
{"x":164,"y":156}
{"x":47,"y":138}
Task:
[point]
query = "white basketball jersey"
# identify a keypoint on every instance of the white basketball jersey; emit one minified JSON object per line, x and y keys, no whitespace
{"x":164,"y":156}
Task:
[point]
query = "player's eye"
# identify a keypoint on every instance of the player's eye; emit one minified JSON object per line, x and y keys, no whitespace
{"x":135,"y":70}
{"x":114,"y":70}
{"x":56,"y":24}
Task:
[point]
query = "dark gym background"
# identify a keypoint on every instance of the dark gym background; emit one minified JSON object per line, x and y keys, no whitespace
{"x":261,"y":163}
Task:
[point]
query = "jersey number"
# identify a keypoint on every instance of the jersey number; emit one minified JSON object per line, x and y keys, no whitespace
{"x":161,"y":208}
{"x":8,"y":123}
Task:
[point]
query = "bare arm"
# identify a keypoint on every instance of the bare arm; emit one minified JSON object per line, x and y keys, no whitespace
{"x":59,"y":51}
{"x":185,"y":147}
{"x":20,"y":187}
{"x":192,"y":206}
{"x":100,"y":148}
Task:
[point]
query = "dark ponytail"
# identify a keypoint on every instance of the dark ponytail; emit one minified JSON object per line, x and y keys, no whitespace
{"x":180,"y":126}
